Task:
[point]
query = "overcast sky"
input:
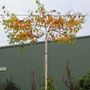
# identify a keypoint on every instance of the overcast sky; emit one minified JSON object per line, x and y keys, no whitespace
{"x":63,"y":6}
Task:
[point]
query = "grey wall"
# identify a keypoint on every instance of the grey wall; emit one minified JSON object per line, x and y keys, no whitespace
{"x":20,"y":65}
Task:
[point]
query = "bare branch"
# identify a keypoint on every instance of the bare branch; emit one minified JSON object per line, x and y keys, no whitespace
{"x":38,"y":36}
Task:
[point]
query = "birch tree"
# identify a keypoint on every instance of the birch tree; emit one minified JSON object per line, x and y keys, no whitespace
{"x":50,"y":25}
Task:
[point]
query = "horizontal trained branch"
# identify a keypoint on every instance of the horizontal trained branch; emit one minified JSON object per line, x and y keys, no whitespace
{"x":60,"y":28}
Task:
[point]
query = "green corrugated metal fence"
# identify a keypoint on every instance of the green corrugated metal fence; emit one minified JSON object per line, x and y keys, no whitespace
{"x":20,"y":66}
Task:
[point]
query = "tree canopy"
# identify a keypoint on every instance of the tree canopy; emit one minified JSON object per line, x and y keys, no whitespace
{"x":60,"y":28}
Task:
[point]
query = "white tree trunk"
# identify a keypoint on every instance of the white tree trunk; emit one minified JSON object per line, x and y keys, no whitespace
{"x":46,"y":61}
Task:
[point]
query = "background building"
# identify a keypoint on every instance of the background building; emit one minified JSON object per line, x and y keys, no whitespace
{"x":20,"y":63}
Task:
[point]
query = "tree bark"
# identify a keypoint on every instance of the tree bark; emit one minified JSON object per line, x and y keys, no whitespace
{"x":46,"y":61}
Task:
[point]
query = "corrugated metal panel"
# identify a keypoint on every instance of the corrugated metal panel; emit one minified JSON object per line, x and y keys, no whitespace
{"x":20,"y":66}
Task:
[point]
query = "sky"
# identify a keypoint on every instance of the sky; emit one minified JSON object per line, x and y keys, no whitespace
{"x":63,"y":6}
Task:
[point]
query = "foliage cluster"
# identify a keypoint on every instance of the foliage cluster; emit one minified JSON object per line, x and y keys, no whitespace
{"x":50,"y":85}
{"x":60,"y":28}
{"x":84,"y":82}
{"x":9,"y":85}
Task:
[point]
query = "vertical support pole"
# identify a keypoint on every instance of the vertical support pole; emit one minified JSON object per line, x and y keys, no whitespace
{"x":46,"y":61}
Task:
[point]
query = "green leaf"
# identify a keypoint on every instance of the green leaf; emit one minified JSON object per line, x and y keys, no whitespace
{"x":37,"y":1}
{"x":36,"y":11}
{"x":5,"y":28}
{"x":3,"y":7}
